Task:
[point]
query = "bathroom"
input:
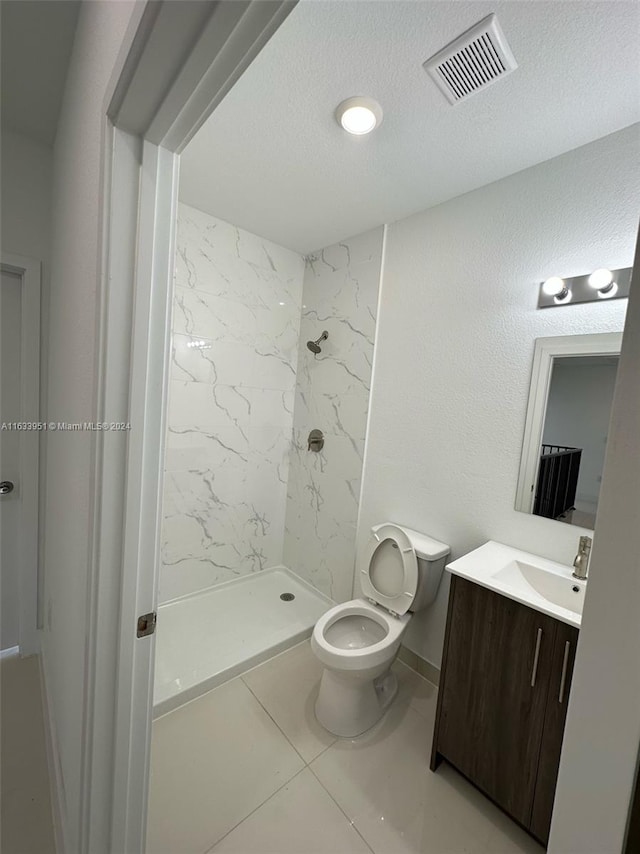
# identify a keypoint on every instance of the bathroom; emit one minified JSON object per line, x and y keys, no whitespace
{"x":428,"y":294}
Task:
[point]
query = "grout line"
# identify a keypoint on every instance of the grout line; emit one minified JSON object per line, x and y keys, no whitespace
{"x":344,"y":813}
{"x":409,"y":700}
{"x":415,"y":672}
{"x":198,"y":697}
{"x":255,"y":809}
{"x":274,"y":657}
{"x":268,"y":713}
{"x":275,"y":721}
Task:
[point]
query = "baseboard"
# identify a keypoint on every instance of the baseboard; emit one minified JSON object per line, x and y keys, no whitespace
{"x":420,"y":665}
{"x":9,"y":652}
{"x":55,"y":768}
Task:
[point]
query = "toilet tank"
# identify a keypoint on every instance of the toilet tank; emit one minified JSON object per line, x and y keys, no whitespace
{"x":432,"y":555}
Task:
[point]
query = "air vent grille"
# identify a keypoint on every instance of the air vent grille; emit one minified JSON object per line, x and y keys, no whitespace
{"x":473,"y":61}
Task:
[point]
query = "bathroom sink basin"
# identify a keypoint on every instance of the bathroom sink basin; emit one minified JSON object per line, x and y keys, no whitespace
{"x":534,"y":581}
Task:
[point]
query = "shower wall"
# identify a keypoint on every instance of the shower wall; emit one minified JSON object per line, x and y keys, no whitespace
{"x":332,"y":393}
{"x":236,"y":321}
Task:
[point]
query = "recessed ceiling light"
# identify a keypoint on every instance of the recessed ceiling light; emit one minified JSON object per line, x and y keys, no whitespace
{"x":359,"y":115}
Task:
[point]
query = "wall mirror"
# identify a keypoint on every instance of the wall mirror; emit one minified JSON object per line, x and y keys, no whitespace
{"x":565,"y":435}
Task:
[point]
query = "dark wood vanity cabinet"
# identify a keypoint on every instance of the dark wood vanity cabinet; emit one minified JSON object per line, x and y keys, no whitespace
{"x":502,"y":702}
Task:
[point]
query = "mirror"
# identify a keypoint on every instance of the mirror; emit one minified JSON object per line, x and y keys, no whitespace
{"x":565,"y":435}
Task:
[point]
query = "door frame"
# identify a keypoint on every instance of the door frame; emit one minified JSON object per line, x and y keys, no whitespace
{"x":178,"y":62}
{"x":30,"y":272}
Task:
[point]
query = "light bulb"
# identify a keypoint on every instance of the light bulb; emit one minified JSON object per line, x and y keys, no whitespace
{"x":608,"y":292}
{"x":600,"y":279}
{"x":553,"y":287}
{"x":563,"y":297}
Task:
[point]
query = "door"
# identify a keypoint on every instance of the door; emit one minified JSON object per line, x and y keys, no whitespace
{"x":19,"y":446}
{"x":564,"y":652}
{"x":494,"y":694}
{"x":10,"y":411}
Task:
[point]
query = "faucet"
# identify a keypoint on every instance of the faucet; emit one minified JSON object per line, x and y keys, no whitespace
{"x":581,"y":560}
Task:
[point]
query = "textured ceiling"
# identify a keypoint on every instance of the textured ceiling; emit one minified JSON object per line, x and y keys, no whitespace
{"x":272,"y":159}
{"x":37,"y":37}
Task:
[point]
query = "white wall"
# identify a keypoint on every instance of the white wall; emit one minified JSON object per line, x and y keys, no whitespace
{"x":26,"y":168}
{"x":578,"y":414}
{"x":238,"y":298}
{"x":602,"y":735}
{"x":71,"y":356}
{"x":454,"y":349}
{"x":340,"y":296}
{"x":26,"y":197}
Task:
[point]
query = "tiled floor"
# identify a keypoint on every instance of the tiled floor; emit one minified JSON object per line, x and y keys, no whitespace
{"x":247,"y":769}
{"x":26,"y":805}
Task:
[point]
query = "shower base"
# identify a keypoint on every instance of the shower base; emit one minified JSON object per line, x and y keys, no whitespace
{"x":206,"y":638}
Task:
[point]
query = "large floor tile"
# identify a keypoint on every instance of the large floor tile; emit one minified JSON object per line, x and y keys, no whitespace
{"x":383,"y":783}
{"x":414,"y":689}
{"x":213,"y":762}
{"x":507,"y":837}
{"x":287,"y":686}
{"x":26,"y":821}
{"x":299,"y":819}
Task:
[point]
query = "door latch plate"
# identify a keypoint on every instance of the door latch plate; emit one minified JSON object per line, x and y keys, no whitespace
{"x":146,"y":624}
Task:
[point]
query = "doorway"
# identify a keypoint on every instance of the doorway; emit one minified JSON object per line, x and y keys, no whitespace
{"x":19,"y":451}
{"x":123,"y":771}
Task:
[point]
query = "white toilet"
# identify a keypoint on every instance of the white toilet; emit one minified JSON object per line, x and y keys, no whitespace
{"x":357,"y":641}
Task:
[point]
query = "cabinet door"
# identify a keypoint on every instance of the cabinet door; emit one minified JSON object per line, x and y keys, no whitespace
{"x":494,"y":693}
{"x":564,"y":651}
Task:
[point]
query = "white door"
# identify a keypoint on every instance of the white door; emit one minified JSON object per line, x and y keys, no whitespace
{"x":10,"y":411}
{"x":19,"y":408}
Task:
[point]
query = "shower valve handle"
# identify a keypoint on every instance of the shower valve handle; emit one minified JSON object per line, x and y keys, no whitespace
{"x":315,"y":441}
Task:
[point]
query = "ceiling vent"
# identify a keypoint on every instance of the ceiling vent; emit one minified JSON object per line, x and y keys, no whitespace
{"x":473,"y":61}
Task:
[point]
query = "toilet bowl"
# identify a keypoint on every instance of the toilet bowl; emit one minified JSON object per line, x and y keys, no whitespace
{"x":357,"y":641}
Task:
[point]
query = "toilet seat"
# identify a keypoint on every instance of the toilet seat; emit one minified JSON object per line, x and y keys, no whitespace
{"x":389,"y":576}
{"x":341,"y":658}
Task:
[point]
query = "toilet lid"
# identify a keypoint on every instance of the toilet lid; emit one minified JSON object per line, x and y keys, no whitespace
{"x":390,"y":573}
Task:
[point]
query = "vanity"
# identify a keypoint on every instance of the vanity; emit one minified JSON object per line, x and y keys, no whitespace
{"x":510,"y":642}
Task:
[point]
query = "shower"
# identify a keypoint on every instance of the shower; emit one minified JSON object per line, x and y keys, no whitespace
{"x":314,"y":346}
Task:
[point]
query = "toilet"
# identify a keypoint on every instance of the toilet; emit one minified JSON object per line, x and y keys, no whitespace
{"x":357,"y":641}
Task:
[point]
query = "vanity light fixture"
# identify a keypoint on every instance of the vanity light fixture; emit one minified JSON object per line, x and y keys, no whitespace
{"x":359,"y":115}
{"x":599,"y":285}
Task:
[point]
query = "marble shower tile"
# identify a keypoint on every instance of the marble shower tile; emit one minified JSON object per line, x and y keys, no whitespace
{"x":351,"y":252}
{"x":236,"y":326}
{"x":333,"y":413}
{"x":235,"y":475}
{"x":205,"y":315}
{"x":205,"y":405}
{"x":332,"y":393}
{"x":226,"y":261}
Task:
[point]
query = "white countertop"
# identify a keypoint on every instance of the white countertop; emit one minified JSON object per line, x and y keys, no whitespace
{"x":541,"y":584}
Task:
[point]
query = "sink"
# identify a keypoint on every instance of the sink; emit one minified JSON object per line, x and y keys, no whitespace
{"x":534,"y":581}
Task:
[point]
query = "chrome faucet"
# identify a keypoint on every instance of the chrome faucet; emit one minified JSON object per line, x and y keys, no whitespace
{"x":581,"y":560}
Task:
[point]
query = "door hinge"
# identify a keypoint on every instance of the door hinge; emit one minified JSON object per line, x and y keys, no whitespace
{"x":146,"y":624}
